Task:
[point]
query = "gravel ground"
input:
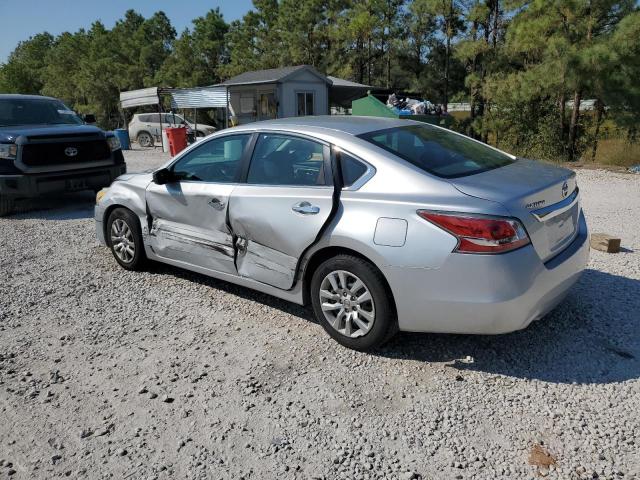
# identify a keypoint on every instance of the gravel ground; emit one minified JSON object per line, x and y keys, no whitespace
{"x":168,"y":374}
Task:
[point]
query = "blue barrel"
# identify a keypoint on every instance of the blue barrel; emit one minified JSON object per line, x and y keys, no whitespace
{"x":123,"y":136}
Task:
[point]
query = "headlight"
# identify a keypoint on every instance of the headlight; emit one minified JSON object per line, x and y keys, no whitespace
{"x":114,"y":143}
{"x":101,"y":194}
{"x":8,"y":150}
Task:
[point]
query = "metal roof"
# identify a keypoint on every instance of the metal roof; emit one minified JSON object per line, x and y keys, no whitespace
{"x":341,"y":82}
{"x":137,"y":98}
{"x":199,"y":97}
{"x":272,"y":75}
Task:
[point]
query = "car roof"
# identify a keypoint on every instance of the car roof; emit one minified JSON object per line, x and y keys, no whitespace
{"x":19,"y":96}
{"x":353,"y":125}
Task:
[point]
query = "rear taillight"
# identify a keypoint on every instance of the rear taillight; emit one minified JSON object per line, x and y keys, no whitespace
{"x":480,"y":234}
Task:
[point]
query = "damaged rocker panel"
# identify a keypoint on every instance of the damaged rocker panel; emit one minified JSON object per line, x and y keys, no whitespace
{"x":163,"y":235}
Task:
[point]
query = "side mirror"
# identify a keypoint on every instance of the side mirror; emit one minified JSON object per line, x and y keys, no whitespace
{"x":89,"y":118}
{"x":163,"y":176}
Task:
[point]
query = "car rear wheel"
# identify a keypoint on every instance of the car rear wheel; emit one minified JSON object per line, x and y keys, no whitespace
{"x":351,"y":302}
{"x":7,"y":205}
{"x":145,"y":139}
{"x":125,"y":240}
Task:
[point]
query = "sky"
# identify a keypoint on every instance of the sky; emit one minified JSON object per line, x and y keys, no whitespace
{"x":21,"y":19}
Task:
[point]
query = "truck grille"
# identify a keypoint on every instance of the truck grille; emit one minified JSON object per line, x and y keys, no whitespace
{"x":41,"y":154}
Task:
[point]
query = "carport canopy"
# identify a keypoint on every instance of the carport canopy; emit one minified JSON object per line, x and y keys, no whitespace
{"x":138,"y":98}
{"x":342,"y":92}
{"x":199,"y":97}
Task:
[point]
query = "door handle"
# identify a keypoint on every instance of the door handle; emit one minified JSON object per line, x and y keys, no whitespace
{"x":305,"y":208}
{"x":217,"y":203}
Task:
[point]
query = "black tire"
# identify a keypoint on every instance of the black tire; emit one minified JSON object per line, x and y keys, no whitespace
{"x":145,"y":139}
{"x":7,"y":206}
{"x":385,"y":324}
{"x":130,"y":262}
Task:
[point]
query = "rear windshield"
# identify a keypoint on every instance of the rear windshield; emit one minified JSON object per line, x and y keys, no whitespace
{"x":437,"y":151}
{"x":31,"y":111}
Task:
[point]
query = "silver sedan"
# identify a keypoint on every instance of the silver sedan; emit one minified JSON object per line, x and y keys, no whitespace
{"x":379,"y":225}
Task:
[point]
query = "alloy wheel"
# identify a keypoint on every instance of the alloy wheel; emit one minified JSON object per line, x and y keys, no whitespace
{"x":122,"y":240}
{"x":347,"y":303}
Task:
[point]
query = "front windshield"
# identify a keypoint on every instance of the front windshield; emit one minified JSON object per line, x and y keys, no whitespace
{"x":36,"y":111}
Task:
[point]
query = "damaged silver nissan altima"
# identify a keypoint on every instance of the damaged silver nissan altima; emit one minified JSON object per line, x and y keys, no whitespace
{"x":379,"y":224}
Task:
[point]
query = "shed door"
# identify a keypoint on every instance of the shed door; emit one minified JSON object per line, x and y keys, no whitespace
{"x":267,"y":106}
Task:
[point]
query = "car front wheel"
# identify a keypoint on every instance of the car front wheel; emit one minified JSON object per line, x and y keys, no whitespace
{"x":352,"y":303}
{"x":125,"y":240}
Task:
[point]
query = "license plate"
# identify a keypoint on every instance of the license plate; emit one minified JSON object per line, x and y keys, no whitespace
{"x":562,"y":227}
{"x":75,"y":184}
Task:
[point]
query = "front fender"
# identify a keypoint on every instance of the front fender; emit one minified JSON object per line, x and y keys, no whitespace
{"x":128,"y":193}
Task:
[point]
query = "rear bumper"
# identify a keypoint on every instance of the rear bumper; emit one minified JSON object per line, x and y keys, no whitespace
{"x":33,"y":185}
{"x":486,"y":294}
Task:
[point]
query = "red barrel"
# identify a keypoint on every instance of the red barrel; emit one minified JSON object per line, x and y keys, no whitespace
{"x":177,"y":139}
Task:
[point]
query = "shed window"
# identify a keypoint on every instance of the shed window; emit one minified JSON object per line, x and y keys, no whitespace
{"x":305,"y":103}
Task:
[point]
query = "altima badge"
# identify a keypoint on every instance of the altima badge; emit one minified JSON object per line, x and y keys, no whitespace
{"x":537,"y":204}
{"x":71,"y":151}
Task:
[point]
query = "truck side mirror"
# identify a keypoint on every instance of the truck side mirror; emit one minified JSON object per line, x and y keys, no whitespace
{"x":89,"y":118}
{"x":163,"y":176}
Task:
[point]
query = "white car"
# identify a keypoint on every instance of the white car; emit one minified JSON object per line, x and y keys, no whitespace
{"x":145,"y":129}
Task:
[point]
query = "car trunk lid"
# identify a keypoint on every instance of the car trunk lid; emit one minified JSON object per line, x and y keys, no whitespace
{"x":543,"y":197}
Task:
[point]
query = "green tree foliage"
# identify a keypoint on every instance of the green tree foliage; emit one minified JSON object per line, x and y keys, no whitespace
{"x":196,"y":57}
{"x":254,"y":41}
{"x":524,"y":66}
{"x":23,"y":71}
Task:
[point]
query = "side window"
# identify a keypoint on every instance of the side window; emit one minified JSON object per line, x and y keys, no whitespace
{"x":217,"y":160}
{"x":154,"y":118}
{"x":283,"y":160}
{"x":352,"y":169}
{"x":172,"y":118}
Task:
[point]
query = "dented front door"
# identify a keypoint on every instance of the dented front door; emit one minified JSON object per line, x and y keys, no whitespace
{"x":188,"y":223}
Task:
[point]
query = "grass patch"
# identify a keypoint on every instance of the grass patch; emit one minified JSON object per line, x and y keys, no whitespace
{"x":615,"y":151}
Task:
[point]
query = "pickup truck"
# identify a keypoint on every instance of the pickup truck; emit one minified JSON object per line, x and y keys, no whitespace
{"x":47,"y":148}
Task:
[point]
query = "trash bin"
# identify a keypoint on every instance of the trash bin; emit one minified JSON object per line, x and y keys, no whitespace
{"x":123,"y":136}
{"x":177,"y":140}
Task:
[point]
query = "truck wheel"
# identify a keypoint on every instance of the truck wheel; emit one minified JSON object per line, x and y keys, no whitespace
{"x":145,"y":139}
{"x":6,"y":206}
